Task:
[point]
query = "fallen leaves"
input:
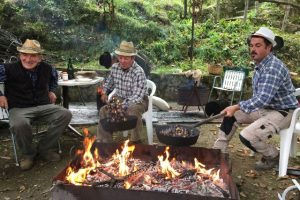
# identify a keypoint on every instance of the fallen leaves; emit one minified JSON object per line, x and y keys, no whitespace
{"x":5,"y":157}
{"x":243,"y":194}
{"x":22,"y":188}
{"x":252,"y":174}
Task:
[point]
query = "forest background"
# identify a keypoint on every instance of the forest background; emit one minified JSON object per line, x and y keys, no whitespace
{"x":176,"y":35}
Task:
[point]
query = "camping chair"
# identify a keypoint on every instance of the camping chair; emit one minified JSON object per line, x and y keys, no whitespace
{"x":4,"y":117}
{"x":288,"y":140}
{"x":233,"y":82}
{"x":147,"y":116}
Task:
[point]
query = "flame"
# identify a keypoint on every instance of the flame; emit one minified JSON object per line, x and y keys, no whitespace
{"x":122,"y":158}
{"x":122,"y":164}
{"x":166,"y":167}
{"x":88,"y":163}
{"x":200,"y":168}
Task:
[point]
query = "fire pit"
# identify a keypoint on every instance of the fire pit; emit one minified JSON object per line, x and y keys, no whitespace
{"x":148,"y":172}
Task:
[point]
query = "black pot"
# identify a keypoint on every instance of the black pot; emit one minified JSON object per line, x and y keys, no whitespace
{"x":109,"y":126}
{"x":193,"y":134}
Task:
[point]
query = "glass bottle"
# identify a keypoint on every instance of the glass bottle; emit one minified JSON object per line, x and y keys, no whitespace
{"x":70,"y":69}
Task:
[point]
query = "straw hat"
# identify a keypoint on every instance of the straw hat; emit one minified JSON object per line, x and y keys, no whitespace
{"x":30,"y":46}
{"x":126,"y":49}
{"x":266,"y":33}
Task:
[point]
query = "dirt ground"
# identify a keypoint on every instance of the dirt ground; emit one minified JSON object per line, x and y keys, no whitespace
{"x":37,"y":182}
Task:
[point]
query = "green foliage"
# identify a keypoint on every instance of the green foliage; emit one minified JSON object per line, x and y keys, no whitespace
{"x":223,"y":41}
{"x":80,"y":29}
{"x":290,"y":53}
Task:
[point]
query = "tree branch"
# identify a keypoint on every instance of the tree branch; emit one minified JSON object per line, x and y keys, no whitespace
{"x":281,"y":2}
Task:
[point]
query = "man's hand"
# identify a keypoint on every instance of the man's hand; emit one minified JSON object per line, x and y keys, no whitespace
{"x":104,"y":98}
{"x":52,"y":97}
{"x":3,"y":102}
{"x":230,"y":110}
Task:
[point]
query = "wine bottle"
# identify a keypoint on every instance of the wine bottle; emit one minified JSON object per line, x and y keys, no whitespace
{"x":70,"y":70}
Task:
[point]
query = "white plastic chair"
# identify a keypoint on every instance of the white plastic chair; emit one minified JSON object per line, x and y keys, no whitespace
{"x":233,"y":82}
{"x":148,"y":115}
{"x":288,"y":140}
{"x":288,"y":189}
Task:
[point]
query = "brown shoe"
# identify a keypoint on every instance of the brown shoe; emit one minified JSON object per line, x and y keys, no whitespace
{"x":51,"y":156}
{"x":267,"y":163}
{"x":26,"y":163}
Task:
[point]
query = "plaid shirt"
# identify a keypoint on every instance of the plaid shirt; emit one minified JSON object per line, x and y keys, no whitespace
{"x":131,"y":84}
{"x":272,"y":87}
{"x":33,"y":76}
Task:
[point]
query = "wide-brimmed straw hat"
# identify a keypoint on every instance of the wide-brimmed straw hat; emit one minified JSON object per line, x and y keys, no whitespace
{"x":266,"y":33}
{"x":126,"y":49}
{"x":31,"y":46}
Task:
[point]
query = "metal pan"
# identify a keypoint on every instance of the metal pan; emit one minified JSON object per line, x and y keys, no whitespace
{"x":189,"y":134}
{"x":111,"y":127}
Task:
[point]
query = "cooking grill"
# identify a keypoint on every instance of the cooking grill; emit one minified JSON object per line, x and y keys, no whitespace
{"x":210,"y":157}
{"x":192,"y":96}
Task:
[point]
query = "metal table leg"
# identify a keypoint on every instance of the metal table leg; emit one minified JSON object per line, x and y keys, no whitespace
{"x":65,"y":99}
{"x":65,"y":96}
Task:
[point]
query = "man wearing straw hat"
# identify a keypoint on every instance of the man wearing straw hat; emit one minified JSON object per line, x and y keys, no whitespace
{"x":130,"y":82}
{"x":29,"y":95}
{"x":268,"y":110}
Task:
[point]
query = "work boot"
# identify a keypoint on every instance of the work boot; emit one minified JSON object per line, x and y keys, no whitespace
{"x":223,"y":140}
{"x":26,"y":163}
{"x":222,"y":145}
{"x":267,"y":163}
{"x":50,"y":156}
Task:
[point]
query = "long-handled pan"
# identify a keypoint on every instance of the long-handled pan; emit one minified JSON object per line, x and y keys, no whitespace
{"x":180,"y":135}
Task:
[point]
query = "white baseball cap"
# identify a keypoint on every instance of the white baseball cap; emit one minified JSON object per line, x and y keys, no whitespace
{"x":266,"y":33}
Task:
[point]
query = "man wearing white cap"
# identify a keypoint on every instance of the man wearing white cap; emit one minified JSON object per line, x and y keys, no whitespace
{"x":29,"y":95}
{"x":130,"y":82}
{"x":268,"y":110}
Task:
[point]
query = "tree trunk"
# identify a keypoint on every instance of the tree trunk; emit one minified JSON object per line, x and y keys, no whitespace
{"x":256,"y":6}
{"x":185,"y":9}
{"x":246,"y":10}
{"x":218,"y":10}
{"x":285,"y":18}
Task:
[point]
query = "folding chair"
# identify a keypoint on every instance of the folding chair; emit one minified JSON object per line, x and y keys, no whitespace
{"x":233,"y":82}
{"x":148,"y":115}
{"x":4,"y":117}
